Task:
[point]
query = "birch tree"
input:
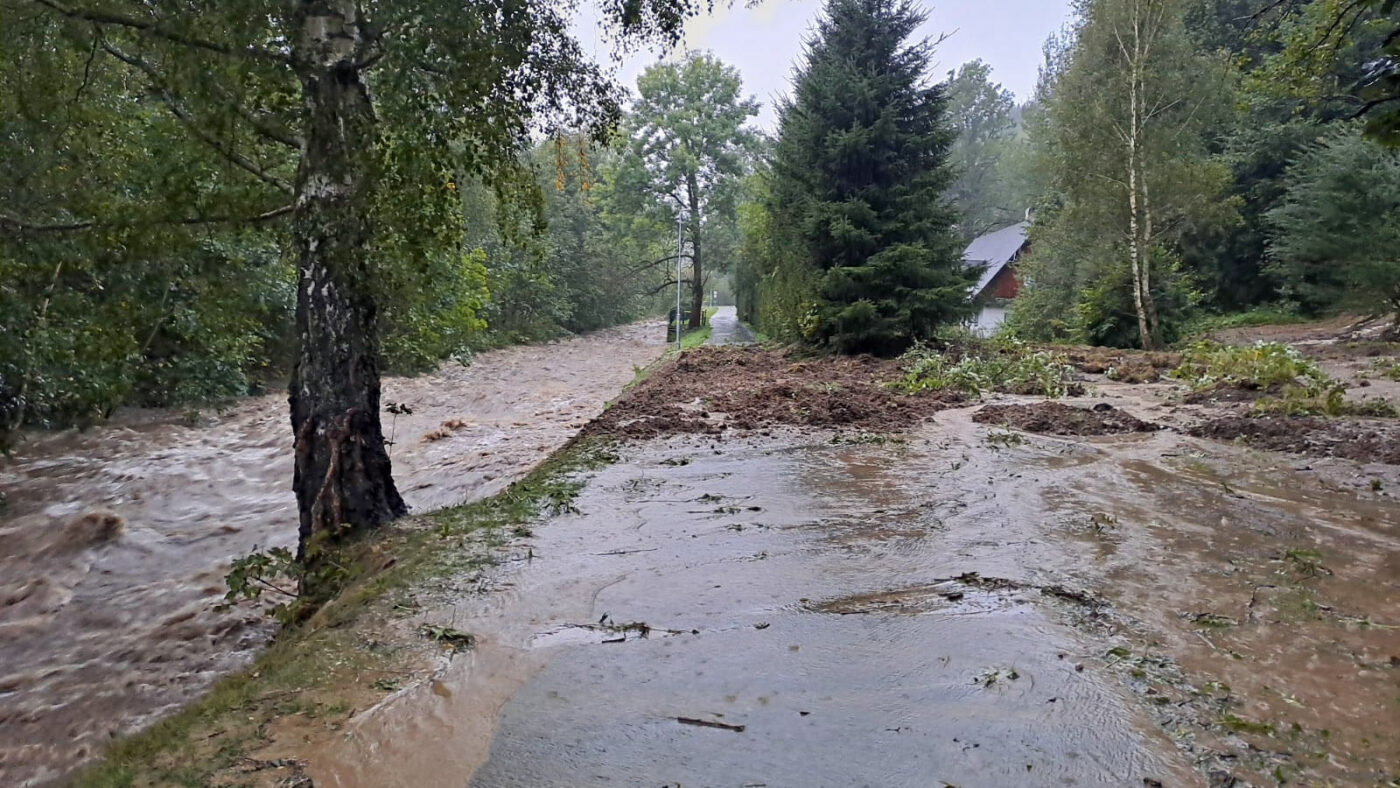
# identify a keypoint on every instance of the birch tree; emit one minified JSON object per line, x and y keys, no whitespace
{"x":1125,"y":132}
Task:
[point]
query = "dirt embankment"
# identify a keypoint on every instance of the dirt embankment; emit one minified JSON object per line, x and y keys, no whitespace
{"x":711,"y":389}
{"x":1054,"y":418}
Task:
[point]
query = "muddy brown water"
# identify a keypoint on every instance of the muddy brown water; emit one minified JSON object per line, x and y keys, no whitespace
{"x":951,"y":610}
{"x":100,"y":636}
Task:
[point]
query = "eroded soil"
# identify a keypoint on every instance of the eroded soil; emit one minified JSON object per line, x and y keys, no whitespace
{"x":943,"y":607}
{"x":1367,"y":440}
{"x":1055,"y":418}
{"x":115,"y":541}
{"x":712,"y":389}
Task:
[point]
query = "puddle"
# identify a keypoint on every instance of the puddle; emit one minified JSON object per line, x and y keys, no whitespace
{"x":115,"y":541}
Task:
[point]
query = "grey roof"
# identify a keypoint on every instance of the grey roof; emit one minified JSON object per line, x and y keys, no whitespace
{"x":994,"y":250}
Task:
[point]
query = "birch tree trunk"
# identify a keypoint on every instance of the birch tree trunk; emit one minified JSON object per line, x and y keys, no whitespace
{"x":342,"y":477}
{"x":1139,"y":209}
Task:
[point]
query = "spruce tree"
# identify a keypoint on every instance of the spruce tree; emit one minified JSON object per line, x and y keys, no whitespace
{"x":861,"y":170}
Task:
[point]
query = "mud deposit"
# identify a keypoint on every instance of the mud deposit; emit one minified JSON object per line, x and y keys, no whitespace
{"x":711,"y":389}
{"x":1365,"y":440}
{"x":115,"y":541}
{"x":1054,"y":418}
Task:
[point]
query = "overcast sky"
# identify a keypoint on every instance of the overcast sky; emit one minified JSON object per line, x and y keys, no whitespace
{"x":765,"y":41}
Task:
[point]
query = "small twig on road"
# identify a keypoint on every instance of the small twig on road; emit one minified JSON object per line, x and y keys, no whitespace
{"x":710,"y":724}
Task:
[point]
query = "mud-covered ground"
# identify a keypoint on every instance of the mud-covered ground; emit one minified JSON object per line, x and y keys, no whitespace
{"x":764,"y":590}
{"x":114,"y":542}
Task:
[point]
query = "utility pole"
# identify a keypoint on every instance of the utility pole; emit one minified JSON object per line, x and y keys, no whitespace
{"x":680,"y":245}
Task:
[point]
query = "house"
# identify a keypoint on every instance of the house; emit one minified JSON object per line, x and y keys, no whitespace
{"x":995,"y":254}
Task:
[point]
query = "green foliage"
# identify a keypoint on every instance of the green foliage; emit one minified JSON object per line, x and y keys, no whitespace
{"x":775,"y":284}
{"x":974,"y":367}
{"x":1122,"y":184}
{"x":1336,"y":232}
{"x":1329,"y":400}
{"x":981,"y":112}
{"x":152,"y":160}
{"x":275,"y":570}
{"x":1260,"y":366}
{"x":1263,"y":315}
{"x":859,"y":174}
{"x":687,"y":150}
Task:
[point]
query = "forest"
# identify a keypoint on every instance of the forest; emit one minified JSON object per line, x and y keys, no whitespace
{"x":171,"y":235}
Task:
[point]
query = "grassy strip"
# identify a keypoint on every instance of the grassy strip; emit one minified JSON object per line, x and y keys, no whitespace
{"x":346,"y":651}
{"x":696,"y":338}
{"x":1267,"y":315}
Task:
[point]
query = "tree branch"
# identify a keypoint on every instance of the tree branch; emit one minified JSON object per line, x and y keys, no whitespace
{"x":16,"y":224}
{"x":655,"y":263}
{"x":666,"y":284}
{"x":157,"y":30}
{"x":233,"y":157}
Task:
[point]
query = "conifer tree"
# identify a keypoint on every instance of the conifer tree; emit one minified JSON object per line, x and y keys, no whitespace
{"x":861,"y":170}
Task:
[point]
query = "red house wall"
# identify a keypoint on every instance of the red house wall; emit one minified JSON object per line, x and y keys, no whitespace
{"x":1004,"y":284}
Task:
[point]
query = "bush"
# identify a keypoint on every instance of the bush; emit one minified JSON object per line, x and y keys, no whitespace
{"x":976,"y":366}
{"x":1260,"y":366}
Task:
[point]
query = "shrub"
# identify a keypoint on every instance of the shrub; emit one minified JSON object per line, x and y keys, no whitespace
{"x":1261,"y":366}
{"x":976,"y":366}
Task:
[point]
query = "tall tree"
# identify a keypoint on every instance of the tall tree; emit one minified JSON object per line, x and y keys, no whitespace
{"x":982,"y":114}
{"x":1336,"y":233}
{"x":860,"y":175}
{"x":1124,"y":139}
{"x":339,"y":109}
{"x":687,"y":149}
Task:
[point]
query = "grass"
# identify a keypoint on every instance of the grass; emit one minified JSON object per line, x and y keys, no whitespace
{"x":316,"y":670}
{"x":1296,"y":386}
{"x":1258,"y":316}
{"x":697,"y":337}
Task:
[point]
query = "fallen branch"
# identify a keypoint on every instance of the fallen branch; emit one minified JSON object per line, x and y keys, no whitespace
{"x":724,"y":726}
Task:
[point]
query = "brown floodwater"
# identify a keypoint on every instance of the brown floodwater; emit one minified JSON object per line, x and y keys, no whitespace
{"x":115,"y":541}
{"x":961,"y":608}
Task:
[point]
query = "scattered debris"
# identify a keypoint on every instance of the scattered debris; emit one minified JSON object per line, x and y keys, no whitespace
{"x":724,"y":726}
{"x":1360,"y":440}
{"x":449,"y":636}
{"x":712,"y":389}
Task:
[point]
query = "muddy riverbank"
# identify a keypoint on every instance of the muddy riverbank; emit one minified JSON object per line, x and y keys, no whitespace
{"x":114,"y":541}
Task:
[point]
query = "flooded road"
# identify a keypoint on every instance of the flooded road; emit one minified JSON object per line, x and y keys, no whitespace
{"x":726,"y":328}
{"x":114,"y":542}
{"x":969,"y":607}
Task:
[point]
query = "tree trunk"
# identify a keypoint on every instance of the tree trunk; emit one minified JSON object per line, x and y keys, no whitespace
{"x":697,"y":278}
{"x":342,"y":478}
{"x":1138,"y":211}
